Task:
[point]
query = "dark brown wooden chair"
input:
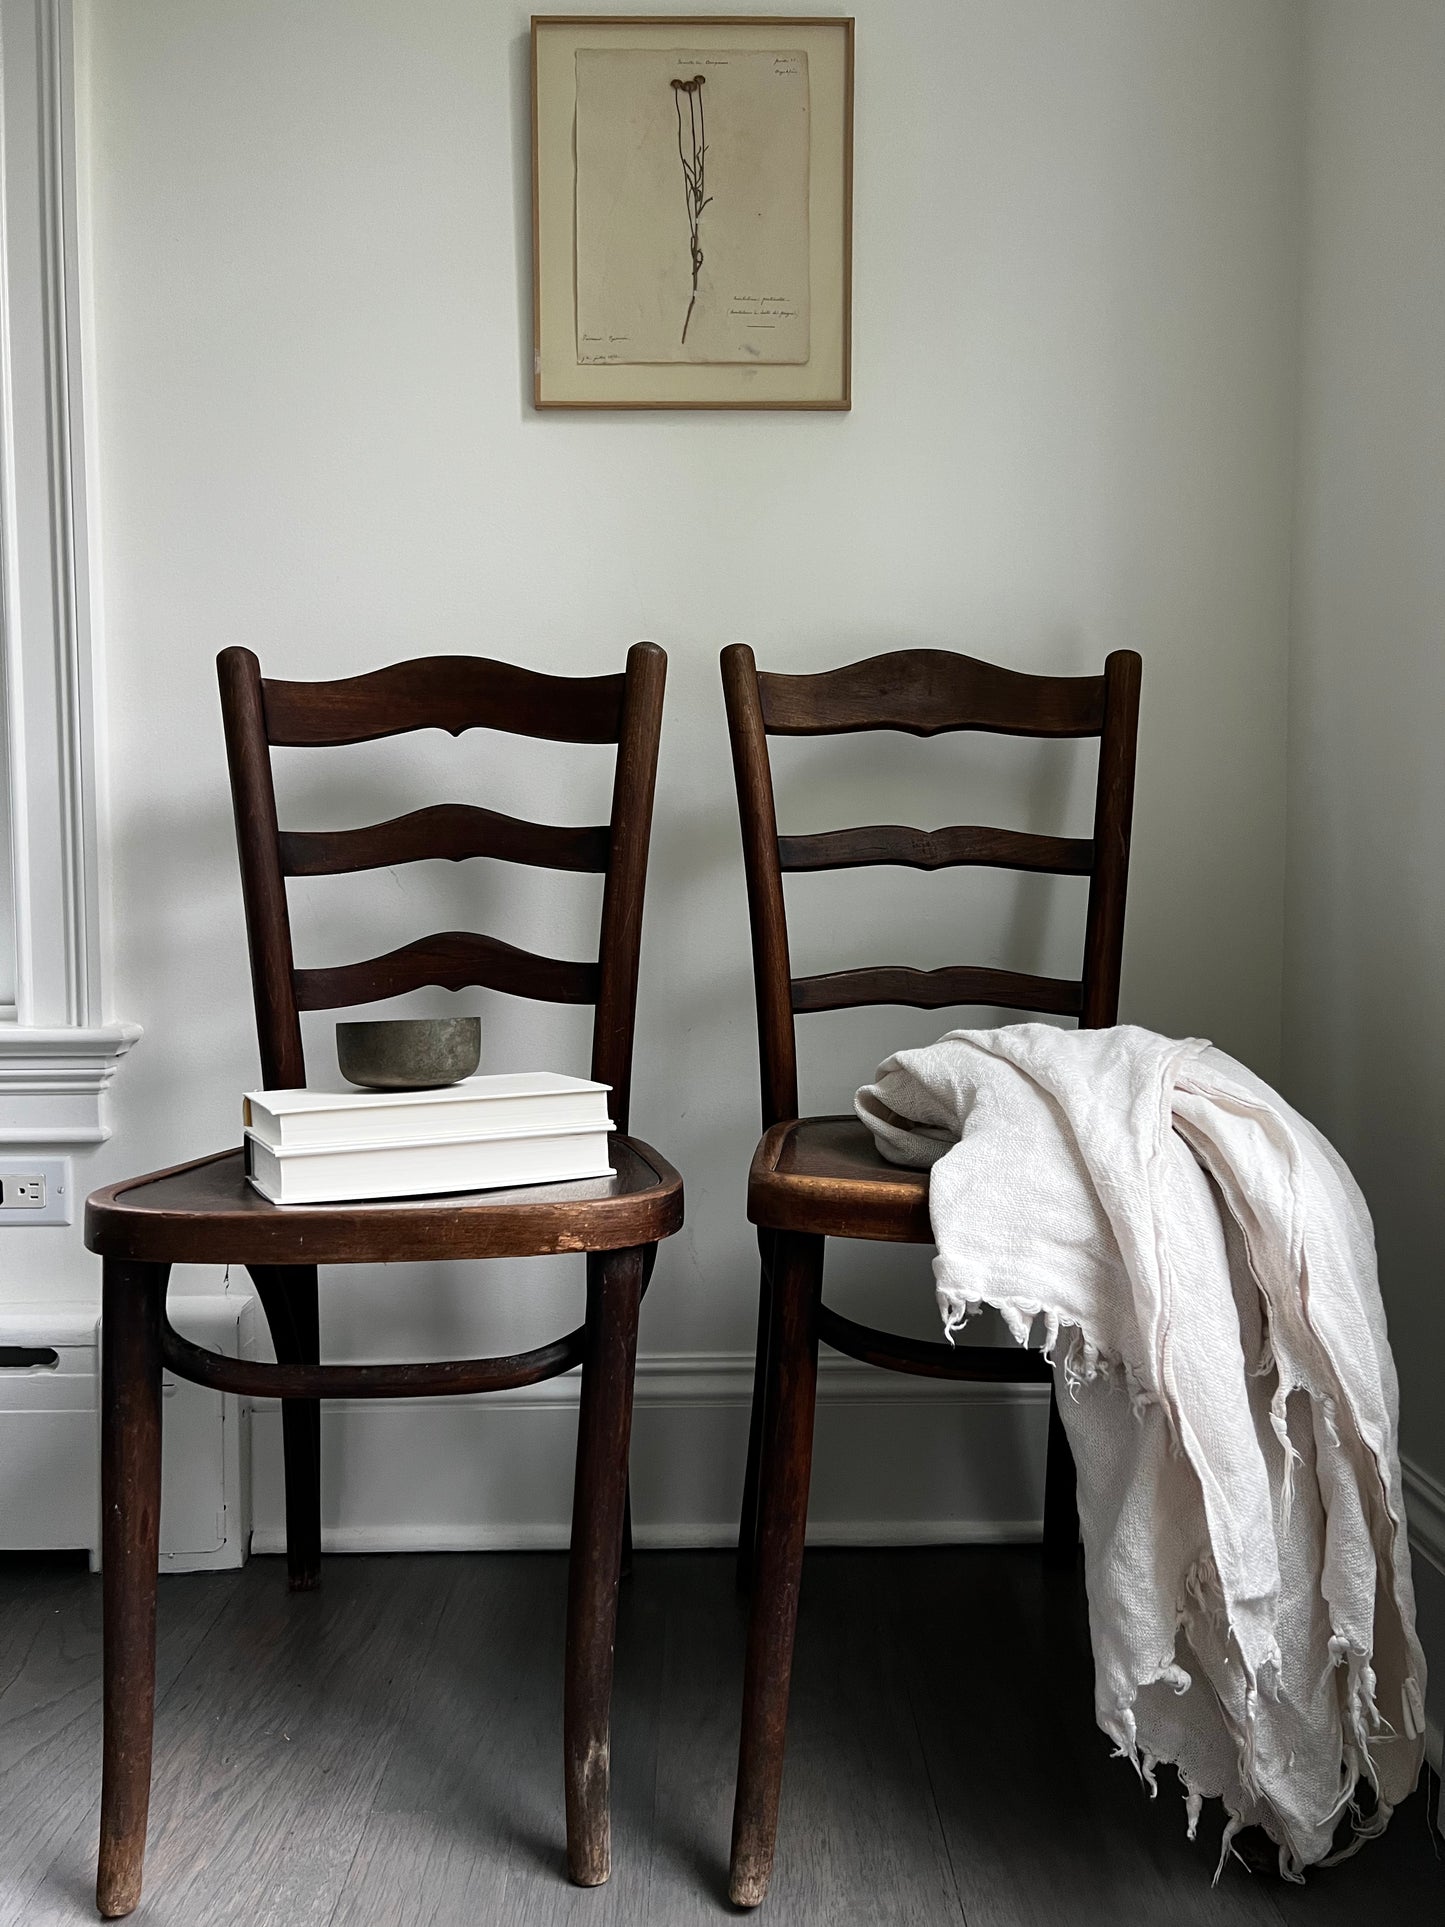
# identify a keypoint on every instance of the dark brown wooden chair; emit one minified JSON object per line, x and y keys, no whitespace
{"x":820,"y":1177}
{"x":206,"y":1213}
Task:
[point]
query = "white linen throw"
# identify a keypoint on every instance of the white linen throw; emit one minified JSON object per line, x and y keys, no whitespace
{"x":1200,"y":1266}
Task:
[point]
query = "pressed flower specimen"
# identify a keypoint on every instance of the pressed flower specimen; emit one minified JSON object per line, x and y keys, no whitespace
{"x":693,"y":172}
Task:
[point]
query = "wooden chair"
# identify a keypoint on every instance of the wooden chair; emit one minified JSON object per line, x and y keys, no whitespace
{"x":821,"y":1177}
{"x":206,"y":1213}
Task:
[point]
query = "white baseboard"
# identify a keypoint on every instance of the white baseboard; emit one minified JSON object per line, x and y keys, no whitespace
{"x":897,"y":1461}
{"x":723,"y":1378}
{"x":721,"y":1535}
{"x":1425,"y":1507}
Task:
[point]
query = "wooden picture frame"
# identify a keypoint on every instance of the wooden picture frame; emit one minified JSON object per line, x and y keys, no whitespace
{"x":773,"y":330}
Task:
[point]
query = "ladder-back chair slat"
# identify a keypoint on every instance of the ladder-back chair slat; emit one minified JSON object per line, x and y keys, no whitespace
{"x":895,"y":843}
{"x":936,"y":989}
{"x":447,"y":830}
{"x":453,"y":960}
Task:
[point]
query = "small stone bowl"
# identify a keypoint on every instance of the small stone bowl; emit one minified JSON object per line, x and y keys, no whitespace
{"x":409,"y":1053}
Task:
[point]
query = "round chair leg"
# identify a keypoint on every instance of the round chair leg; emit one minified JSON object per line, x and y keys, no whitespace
{"x":1061,"y":1498}
{"x":604,"y":1428}
{"x":130,"y":1480}
{"x":784,"y":1473}
{"x":748,"y":1519}
{"x":289,"y":1298}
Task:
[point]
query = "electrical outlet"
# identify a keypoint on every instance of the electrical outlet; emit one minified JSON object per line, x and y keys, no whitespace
{"x":34,"y":1191}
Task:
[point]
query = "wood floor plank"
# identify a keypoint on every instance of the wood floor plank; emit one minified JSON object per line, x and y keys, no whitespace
{"x":279,"y":1735}
{"x":470,"y":1810}
{"x":50,"y":1632}
{"x":858,"y":1824}
{"x":1399,"y":1879}
{"x":274,"y":1736}
{"x":699,"y":1663}
{"x":858,"y":1838}
{"x":1045,"y":1829}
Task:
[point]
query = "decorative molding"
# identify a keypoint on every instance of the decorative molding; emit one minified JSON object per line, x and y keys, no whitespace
{"x":1425,"y":1515}
{"x":51,"y":1087}
{"x":53,"y":1083}
{"x":1425,"y":1511}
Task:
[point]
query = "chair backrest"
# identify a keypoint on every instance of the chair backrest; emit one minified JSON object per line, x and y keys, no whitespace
{"x":925,"y":692}
{"x":452,"y":693}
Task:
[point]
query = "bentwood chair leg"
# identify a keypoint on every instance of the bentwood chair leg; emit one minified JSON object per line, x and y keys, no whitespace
{"x":130,"y":1489}
{"x":748,"y":1519}
{"x":1061,"y":1499}
{"x":604,"y":1429}
{"x":648,"y":1261}
{"x":289,"y":1298}
{"x":784,"y":1471}
{"x":625,"y":1568}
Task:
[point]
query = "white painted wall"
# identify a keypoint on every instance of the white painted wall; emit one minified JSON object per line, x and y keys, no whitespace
{"x":1365,"y":950}
{"x":1073,"y":431}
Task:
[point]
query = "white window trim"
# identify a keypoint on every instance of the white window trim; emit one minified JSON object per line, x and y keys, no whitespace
{"x":58,"y":1052}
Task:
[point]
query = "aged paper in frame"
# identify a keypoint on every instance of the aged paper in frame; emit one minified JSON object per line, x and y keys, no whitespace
{"x":692,"y":206}
{"x":691,"y":211}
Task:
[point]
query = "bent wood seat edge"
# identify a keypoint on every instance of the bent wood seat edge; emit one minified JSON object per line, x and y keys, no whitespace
{"x":205,"y":1212}
{"x":824,"y":1174}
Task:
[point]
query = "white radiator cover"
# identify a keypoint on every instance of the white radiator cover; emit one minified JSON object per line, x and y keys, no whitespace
{"x":206,"y":1477}
{"x":49,"y":1431}
{"x":50,"y":1438}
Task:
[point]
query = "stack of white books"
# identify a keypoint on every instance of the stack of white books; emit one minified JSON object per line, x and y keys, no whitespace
{"x":484,"y":1134}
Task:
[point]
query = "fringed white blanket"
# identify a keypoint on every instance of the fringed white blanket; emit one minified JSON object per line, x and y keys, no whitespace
{"x":1200,"y":1266}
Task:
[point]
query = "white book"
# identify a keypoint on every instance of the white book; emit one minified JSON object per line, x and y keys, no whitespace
{"x":476,"y":1107}
{"x":422,"y":1167}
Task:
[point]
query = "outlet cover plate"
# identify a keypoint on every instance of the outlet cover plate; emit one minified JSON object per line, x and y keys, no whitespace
{"x":53,"y":1173}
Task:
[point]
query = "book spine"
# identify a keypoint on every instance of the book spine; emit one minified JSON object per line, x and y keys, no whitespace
{"x":463,"y":1124}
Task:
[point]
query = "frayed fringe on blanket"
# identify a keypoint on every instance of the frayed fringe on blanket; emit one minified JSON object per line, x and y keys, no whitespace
{"x":1179,"y":1345}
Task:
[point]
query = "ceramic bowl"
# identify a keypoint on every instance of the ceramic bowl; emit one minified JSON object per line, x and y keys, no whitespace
{"x":409,"y":1053}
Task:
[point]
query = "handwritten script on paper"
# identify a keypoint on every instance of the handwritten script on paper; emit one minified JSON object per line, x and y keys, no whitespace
{"x":692,"y":206}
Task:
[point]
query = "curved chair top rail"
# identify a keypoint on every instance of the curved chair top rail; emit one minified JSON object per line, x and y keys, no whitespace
{"x":927,"y":692}
{"x":453,"y":693}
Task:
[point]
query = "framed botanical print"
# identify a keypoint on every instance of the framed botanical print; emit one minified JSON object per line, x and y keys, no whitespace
{"x":692,"y":211}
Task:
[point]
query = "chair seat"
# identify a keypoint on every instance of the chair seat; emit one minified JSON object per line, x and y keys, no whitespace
{"x":824,"y":1175}
{"x":206,"y":1213}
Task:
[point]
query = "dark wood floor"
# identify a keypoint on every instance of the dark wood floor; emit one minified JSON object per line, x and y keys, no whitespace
{"x":387,"y":1751}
